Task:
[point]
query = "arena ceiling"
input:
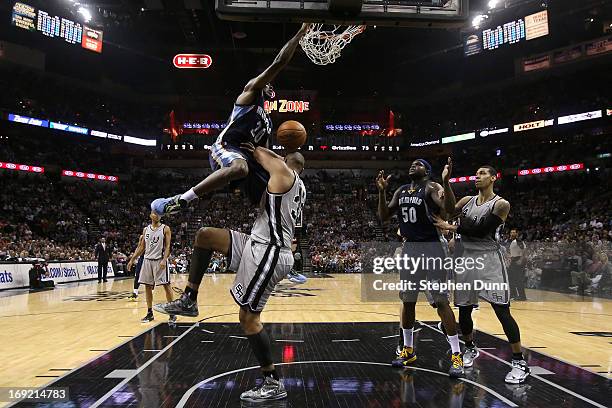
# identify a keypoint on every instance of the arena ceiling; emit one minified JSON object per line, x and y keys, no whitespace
{"x":142,"y":36}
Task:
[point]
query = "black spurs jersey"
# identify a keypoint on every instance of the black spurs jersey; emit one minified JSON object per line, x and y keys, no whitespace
{"x":247,"y":123}
{"x":415,"y":214}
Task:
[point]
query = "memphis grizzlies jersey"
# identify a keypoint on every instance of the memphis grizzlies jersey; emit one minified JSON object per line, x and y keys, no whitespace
{"x":415,"y":214}
{"x":247,"y":123}
{"x":473,"y":214}
{"x":278,"y":215}
{"x":154,"y":242}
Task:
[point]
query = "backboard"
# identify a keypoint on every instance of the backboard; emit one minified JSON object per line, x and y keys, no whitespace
{"x":406,"y":13}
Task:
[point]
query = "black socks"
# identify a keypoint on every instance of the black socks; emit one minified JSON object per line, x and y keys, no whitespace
{"x":199,"y":263}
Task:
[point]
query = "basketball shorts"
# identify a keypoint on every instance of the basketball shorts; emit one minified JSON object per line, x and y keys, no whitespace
{"x":488,"y":279}
{"x":152,"y":274}
{"x":259,"y":267}
{"x":222,"y":155}
{"x":427,"y":273}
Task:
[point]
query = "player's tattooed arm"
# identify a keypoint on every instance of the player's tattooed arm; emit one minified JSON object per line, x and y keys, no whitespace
{"x":282,"y":59}
{"x":502,"y":208}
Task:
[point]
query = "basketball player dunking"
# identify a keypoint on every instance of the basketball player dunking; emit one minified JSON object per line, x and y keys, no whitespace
{"x":481,"y":218}
{"x":248,"y":123}
{"x":155,"y":245}
{"x":260,"y":260}
{"x":416,"y":203}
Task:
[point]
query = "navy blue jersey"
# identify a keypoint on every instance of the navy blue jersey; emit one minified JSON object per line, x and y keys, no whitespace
{"x":247,"y":123}
{"x":415,"y":214}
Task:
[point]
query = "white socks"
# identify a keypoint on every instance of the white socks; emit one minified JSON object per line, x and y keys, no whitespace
{"x":407,"y":337}
{"x":189,"y":196}
{"x":454,"y":342}
{"x":136,"y":291}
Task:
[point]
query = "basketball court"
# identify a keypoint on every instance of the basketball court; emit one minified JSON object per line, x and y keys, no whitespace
{"x":332,"y":349}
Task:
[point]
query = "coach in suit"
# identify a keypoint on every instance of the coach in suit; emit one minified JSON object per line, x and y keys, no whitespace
{"x":102,"y":253}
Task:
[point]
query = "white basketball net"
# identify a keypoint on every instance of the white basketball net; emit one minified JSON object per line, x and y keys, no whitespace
{"x":324,"y":43}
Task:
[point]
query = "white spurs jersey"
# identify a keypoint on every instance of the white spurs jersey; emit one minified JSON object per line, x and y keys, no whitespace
{"x":278,"y":215}
{"x":154,"y":242}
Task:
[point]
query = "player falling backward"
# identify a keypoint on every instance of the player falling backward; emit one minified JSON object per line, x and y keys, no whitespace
{"x":260,"y":260}
{"x":248,"y":123}
{"x":154,"y":244}
{"x":416,"y":203}
{"x":481,"y":218}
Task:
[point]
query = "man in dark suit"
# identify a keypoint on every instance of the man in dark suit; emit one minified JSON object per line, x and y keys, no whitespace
{"x":102,"y":253}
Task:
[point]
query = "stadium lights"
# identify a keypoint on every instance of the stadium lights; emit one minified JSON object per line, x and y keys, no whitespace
{"x":85,"y":13}
{"x":493,"y":3}
{"x":478,"y":20}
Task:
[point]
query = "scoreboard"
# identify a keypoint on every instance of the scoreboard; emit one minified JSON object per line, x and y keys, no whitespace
{"x":509,"y":33}
{"x":512,"y":32}
{"x":28,"y":18}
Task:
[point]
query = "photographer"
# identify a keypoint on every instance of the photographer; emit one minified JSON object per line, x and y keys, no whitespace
{"x":37,"y":272}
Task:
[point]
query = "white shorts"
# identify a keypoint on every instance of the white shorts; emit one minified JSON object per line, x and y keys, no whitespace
{"x":151,"y":274}
{"x":258,"y":267}
{"x":493,"y":272}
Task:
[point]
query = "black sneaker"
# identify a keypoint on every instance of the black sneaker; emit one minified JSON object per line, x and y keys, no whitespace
{"x":406,"y":358}
{"x":182,"y":306}
{"x":269,"y":390}
{"x":148,"y":318}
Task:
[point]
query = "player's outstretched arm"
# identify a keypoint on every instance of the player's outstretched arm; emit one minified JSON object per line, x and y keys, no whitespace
{"x":385,"y":209}
{"x":282,"y":59}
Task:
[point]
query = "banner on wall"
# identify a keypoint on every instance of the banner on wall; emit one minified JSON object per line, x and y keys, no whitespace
{"x":17,"y":275}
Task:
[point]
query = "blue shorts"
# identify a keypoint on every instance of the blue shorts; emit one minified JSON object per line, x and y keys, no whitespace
{"x":253,"y":185}
{"x":222,"y":155}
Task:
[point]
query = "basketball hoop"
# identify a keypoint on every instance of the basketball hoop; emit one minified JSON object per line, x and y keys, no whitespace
{"x":323,"y":46}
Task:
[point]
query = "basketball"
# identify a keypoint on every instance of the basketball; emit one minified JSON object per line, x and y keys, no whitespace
{"x":291,"y":134}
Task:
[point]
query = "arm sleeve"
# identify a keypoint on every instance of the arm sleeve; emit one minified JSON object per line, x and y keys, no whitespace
{"x":487,"y":227}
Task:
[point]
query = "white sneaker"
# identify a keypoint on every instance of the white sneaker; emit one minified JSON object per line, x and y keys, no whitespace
{"x":520,"y":371}
{"x":469,"y":355}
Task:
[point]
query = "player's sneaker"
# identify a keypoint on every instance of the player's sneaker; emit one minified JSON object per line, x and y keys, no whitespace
{"x":456,"y":368}
{"x":133,"y":297}
{"x":469,"y":355}
{"x":406,"y":358}
{"x":520,"y":371}
{"x":182,"y":306}
{"x":166,"y":206}
{"x":295,"y":277}
{"x":148,"y":318}
{"x":269,"y":390}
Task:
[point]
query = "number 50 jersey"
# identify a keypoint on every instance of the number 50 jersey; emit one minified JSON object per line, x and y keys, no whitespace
{"x":247,"y":123}
{"x":415,"y":214}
